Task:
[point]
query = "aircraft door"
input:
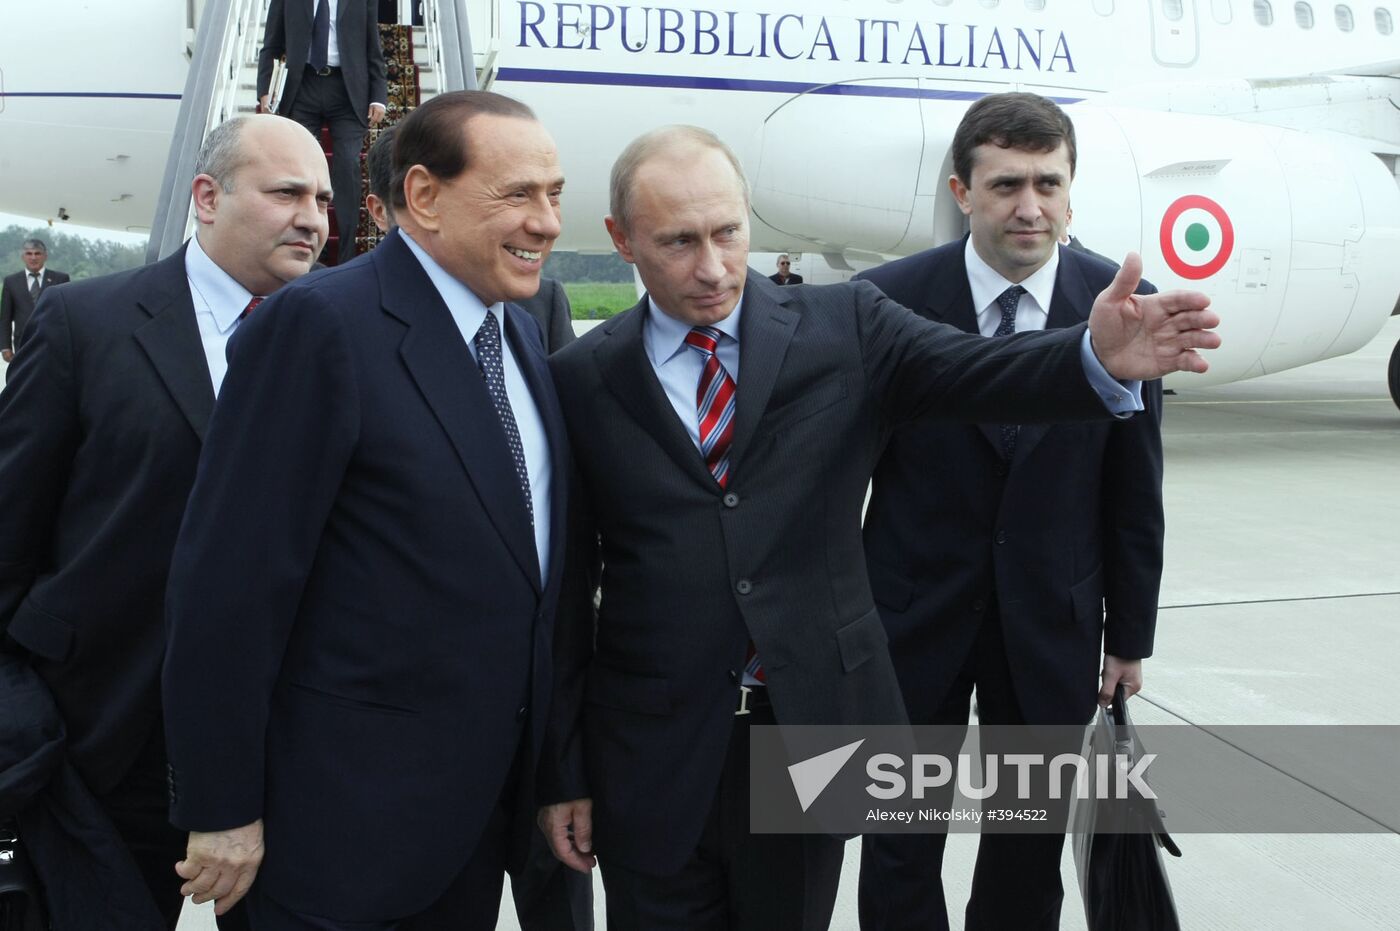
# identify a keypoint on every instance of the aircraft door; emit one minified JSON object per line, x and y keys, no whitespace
{"x":838,"y":168}
{"x":1175,"y":35}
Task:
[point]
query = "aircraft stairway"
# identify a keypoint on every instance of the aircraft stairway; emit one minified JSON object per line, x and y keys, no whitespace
{"x":427,"y":50}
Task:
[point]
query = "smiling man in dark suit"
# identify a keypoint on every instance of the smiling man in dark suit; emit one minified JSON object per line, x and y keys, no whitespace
{"x":994,"y":550}
{"x":725,"y":431}
{"x":20,"y":292}
{"x":335,"y":77}
{"x":362,"y":604}
{"x":100,"y":429}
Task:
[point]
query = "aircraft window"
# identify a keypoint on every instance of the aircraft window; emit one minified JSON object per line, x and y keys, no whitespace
{"x":989,"y":4}
{"x":1103,"y":7}
{"x":1171,"y":9}
{"x":1221,"y":9}
{"x":1263,"y":13}
{"x":1035,"y":4}
{"x":942,"y":2}
{"x":1384,"y":24}
{"x":1345,"y":21}
{"x":1303,"y":15}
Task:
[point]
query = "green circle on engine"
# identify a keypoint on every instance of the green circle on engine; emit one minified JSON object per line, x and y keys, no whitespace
{"x":1197,"y":237}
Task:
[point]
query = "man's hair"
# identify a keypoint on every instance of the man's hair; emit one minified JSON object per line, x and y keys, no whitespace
{"x":222,"y":152}
{"x":380,"y":162}
{"x":1011,"y":121}
{"x":34,"y":244}
{"x":654,"y":143}
{"x":783,"y":256}
{"x":433,"y":135}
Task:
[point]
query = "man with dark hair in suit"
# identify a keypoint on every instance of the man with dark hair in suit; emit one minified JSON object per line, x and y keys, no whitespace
{"x":550,"y":306}
{"x":100,"y":429}
{"x":335,"y":77}
{"x":725,"y":431}
{"x":994,"y":550}
{"x":20,"y":292}
{"x":784,"y":275}
{"x":364,"y":622}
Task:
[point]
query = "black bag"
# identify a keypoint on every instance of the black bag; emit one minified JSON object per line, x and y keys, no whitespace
{"x":21,"y":907}
{"x":1118,"y":843}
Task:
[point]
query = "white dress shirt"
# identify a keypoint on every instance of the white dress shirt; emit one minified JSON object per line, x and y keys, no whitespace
{"x":469,"y":313}
{"x":218,"y":303}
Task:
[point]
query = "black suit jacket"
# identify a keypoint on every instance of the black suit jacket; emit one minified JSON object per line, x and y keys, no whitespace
{"x":792,"y":279}
{"x":288,"y":33}
{"x":691,"y":571}
{"x":100,"y":429}
{"x":16,"y":305}
{"x":1072,"y":526}
{"x":550,"y":308}
{"x":355,"y":606}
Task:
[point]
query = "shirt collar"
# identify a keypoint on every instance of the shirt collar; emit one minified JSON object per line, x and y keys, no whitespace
{"x":987,"y":284}
{"x":466,"y":308}
{"x":665,"y":335}
{"x":213,"y":290}
{"x":39,"y":274}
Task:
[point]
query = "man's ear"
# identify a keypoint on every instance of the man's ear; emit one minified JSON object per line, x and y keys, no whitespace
{"x":960,"y":194}
{"x":420,"y":192}
{"x":619,"y":238}
{"x":205,"y":193}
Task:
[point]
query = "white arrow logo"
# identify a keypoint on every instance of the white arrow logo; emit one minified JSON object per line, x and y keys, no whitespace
{"x":811,"y":777}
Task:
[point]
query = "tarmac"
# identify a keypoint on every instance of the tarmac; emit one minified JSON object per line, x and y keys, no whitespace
{"x":1280,"y":605}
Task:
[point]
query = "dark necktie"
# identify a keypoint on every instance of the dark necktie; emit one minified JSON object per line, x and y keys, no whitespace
{"x":714,"y":403}
{"x":488,"y":356}
{"x":1008,"y":301}
{"x":253,"y":302}
{"x":321,"y":36}
{"x":33,"y":287}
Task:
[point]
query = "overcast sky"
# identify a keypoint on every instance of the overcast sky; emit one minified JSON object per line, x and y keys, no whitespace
{"x":87,"y":232}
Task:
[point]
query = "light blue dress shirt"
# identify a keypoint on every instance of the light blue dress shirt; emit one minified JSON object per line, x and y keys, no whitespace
{"x":218,"y":303}
{"x":678,"y":366}
{"x":469,"y":313}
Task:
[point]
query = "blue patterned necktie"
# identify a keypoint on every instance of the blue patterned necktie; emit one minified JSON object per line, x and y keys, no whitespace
{"x":1008,"y":301}
{"x":321,"y":36}
{"x":488,"y":356}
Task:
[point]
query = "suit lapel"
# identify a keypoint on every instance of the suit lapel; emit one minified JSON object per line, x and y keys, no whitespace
{"x":765,"y":329}
{"x":950,"y":301}
{"x":622,"y":361}
{"x":171,"y":341}
{"x":440,"y":364}
{"x":1069,"y":305}
{"x":535,"y":368}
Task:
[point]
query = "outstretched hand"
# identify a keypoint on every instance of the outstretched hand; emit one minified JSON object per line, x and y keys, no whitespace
{"x":1145,"y":336}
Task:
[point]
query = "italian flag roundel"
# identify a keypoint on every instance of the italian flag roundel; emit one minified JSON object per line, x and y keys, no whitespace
{"x":1197,"y":237}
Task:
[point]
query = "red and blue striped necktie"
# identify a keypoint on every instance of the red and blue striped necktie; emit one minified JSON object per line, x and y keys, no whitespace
{"x":714,"y":402}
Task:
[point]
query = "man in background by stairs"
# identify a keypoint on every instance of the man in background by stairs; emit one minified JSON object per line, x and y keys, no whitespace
{"x":335,"y":77}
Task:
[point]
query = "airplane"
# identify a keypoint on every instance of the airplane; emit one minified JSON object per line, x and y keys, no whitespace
{"x":1246,"y":148}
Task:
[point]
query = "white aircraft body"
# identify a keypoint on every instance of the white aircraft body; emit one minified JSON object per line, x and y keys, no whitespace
{"x":1246,"y":148}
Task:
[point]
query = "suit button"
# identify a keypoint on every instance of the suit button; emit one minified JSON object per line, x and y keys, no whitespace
{"x":734,"y":676}
{"x":979,"y":606}
{"x":743,"y":586}
{"x":1001,"y":537}
{"x":521,"y":712}
{"x":731,"y":500}
{"x":1000,"y":470}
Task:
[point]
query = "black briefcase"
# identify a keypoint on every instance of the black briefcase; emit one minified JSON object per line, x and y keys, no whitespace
{"x":1118,"y":844}
{"x":21,"y":904}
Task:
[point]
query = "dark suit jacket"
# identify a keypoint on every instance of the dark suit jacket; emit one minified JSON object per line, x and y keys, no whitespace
{"x":100,"y":429}
{"x":1074,"y":524}
{"x":288,"y":33}
{"x":691,"y":571}
{"x":792,"y":279}
{"x":355,"y":607}
{"x":16,"y":305}
{"x":550,"y":308}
